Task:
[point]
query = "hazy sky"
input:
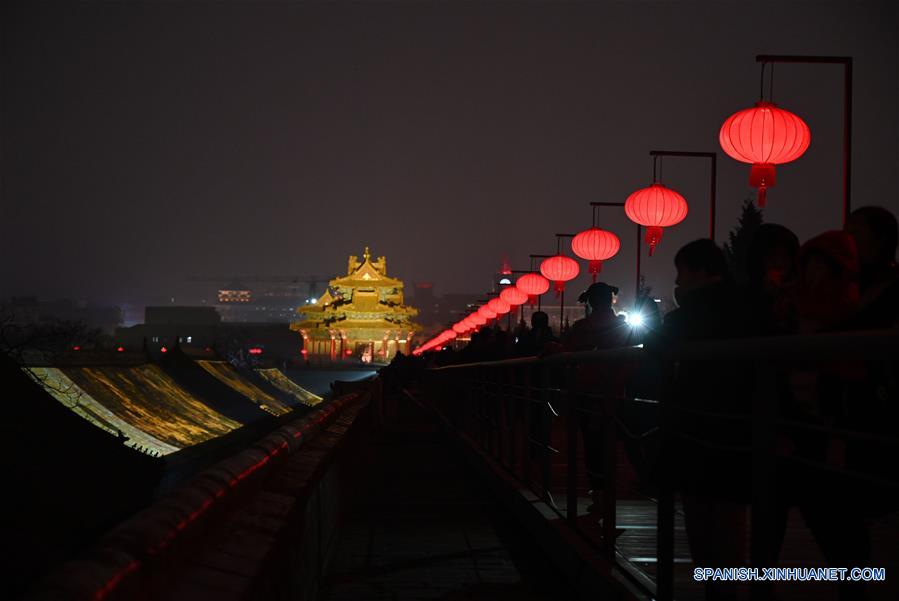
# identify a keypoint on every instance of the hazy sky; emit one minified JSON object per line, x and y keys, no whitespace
{"x":145,"y":142}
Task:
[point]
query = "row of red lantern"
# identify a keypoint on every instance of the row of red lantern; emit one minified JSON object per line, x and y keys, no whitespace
{"x":526,"y":289}
{"x":763,"y":136}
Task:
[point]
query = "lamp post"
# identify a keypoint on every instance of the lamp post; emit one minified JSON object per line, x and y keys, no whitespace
{"x":846,"y":61}
{"x":562,"y":293}
{"x":713,"y":177}
{"x":639,"y":231}
{"x":539,"y":298}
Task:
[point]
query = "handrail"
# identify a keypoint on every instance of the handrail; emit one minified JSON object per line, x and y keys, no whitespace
{"x":493,"y":411}
{"x":862,"y":345}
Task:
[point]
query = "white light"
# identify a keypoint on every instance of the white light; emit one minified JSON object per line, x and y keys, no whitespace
{"x":635,"y":320}
{"x":505,"y":282}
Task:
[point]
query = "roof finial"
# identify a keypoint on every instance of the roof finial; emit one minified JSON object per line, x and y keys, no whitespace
{"x":366,"y":255}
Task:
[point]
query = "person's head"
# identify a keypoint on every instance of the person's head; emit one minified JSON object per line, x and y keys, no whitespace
{"x":699,"y":264}
{"x":772,"y":255}
{"x":828,"y":258}
{"x":875,"y":233}
{"x":539,"y":320}
{"x":598,"y":296}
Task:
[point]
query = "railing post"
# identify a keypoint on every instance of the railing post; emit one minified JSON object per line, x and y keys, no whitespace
{"x":571,"y":415}
{"x":546,"y":434}
{"x":526,"y":434}
{"x":509,"y":419}
{"x":609,"y":476}
{"x":764,"y":474}
{"x":665,"y":509}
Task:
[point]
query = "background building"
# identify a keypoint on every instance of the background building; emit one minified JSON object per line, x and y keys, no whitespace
{"x":360,"y":316}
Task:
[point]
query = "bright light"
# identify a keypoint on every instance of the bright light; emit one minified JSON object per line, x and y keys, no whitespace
{"x":505,"y":282}
{"x":635,"y":320}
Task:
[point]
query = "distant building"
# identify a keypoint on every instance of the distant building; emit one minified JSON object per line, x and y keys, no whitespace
{"x":360,"y":316}
{"x":175,"y":315}
{"x":234,"y":293}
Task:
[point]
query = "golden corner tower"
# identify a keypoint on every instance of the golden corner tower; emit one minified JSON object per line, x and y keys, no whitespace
{"x":360,"y":316}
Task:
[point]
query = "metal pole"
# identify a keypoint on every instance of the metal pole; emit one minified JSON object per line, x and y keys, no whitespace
{"x":561,"y":310}
{"x":639,"y":252}
{"x":713,"y":177}
{"x":846,"y":61}
{"x":639,"y":231}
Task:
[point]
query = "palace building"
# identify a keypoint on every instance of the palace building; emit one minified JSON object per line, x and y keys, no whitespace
{"x":361,"y":316}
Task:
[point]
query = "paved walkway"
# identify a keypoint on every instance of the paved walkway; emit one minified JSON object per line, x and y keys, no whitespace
{"x":421,"y":527}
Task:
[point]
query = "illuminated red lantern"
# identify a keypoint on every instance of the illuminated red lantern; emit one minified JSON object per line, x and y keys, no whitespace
{"x":764,"y":136}
{"x":164,"y":350}
{"x":486,"y":312}
{"x":448,"y":335}
{"x":477,"y":319}
{"x":459,"y":328}
{"x":514,"y":296}
{"x":595,"y":245}
{"x":532,"y":284}
{"x":655,"y":207}
{"x":499,"y":306}
{"x":120,"y":349}
{"x":559,"y":269}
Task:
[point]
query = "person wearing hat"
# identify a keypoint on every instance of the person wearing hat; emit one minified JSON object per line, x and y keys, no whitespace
{"x":600,"y":329}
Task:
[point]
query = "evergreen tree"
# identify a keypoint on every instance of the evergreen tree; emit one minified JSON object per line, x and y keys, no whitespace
{"x":737,"y":246}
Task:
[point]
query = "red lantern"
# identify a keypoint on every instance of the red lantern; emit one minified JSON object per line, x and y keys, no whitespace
{"x":486,"y":312}
{"x":448,"y":335}
{"x":655,"y":207}
{"x":532,"y":284}
{"x":499,"y":306}
{"x":764,"y":136}
{"x":459,"y":328}
{"x":514,"y":296}
{"x":595,"y":245}
{"x":477,"y":319}
{"x":559,"y":269}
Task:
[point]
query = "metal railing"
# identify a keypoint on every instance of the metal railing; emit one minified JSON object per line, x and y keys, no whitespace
{"x":526,"y":414}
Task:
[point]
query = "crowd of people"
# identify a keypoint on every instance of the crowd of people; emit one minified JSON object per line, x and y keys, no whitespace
{"x":844,"y":280}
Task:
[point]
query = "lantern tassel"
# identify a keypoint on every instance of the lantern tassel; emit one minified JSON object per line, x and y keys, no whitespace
{"x":559,"y":287}
{"x":595,"y":268}
{"x":762,"y":176}
{"x":653,"y":237}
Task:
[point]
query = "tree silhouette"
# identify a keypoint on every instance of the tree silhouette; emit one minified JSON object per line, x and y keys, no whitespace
{"x":737,"y":246}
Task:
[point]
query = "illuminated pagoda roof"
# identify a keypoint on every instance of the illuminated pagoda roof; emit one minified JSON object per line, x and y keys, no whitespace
{"x":365,"y":298}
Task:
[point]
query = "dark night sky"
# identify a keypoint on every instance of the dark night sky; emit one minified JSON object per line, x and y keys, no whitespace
{"x":144,"y":142}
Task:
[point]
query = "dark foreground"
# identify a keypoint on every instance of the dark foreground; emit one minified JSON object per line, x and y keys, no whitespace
{"x":422,"y":526}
